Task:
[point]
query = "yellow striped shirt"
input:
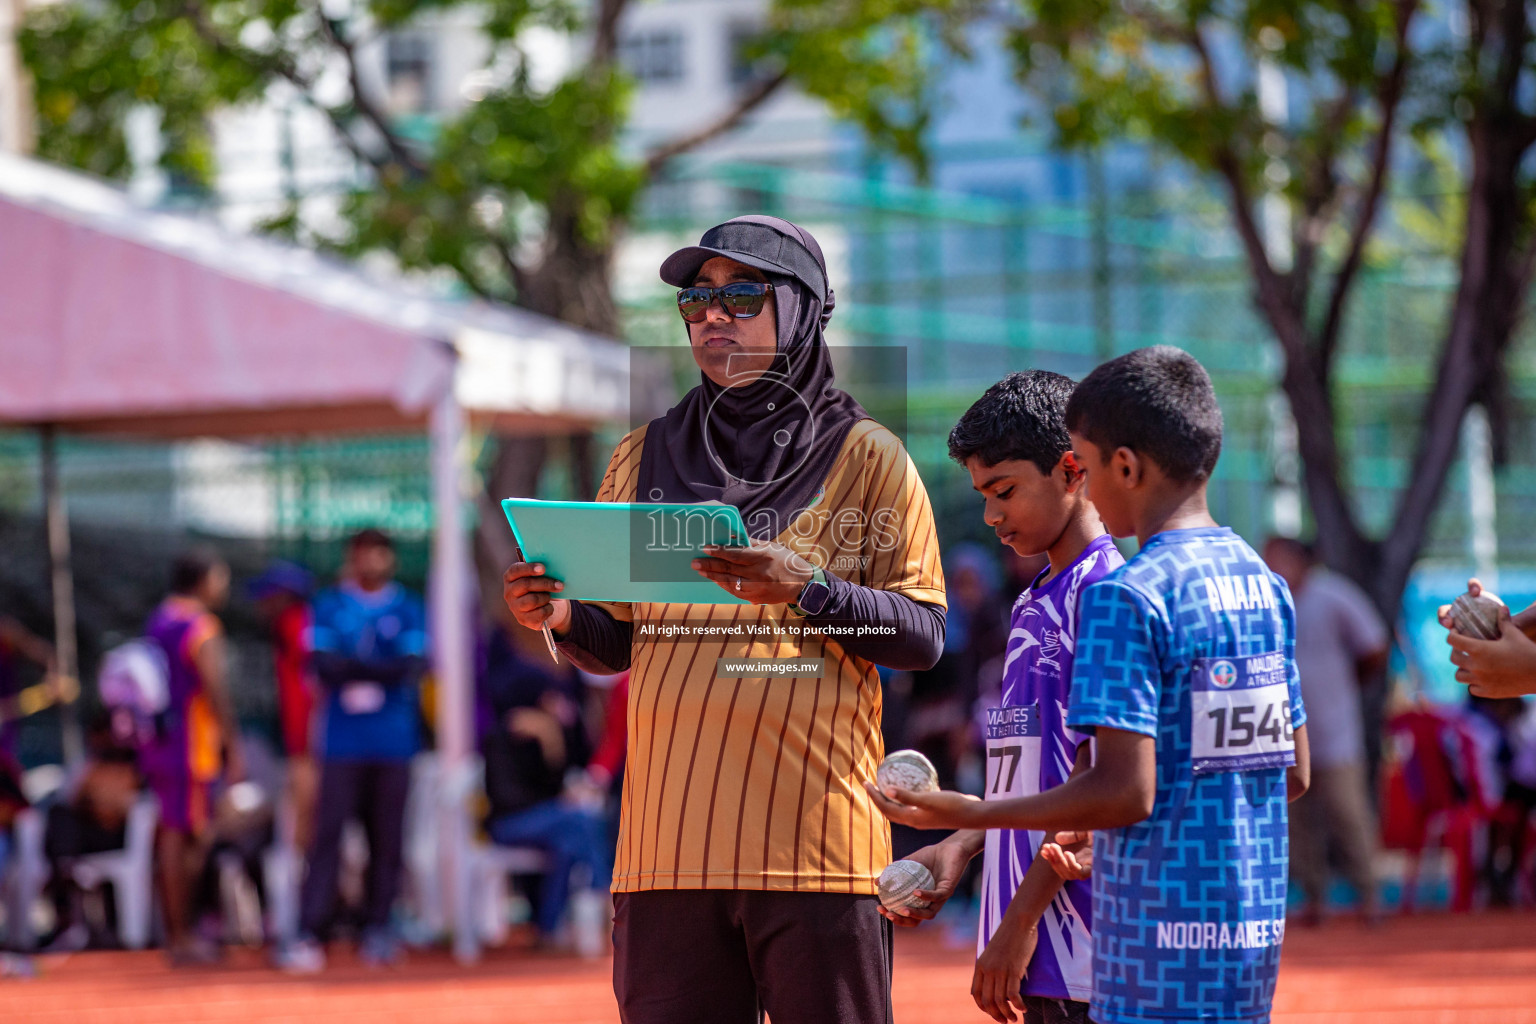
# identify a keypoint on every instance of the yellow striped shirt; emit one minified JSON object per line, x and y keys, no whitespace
{"x":754,"y":783}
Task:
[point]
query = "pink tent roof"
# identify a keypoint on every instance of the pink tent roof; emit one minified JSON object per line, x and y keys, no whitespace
{"x":117,"y":318}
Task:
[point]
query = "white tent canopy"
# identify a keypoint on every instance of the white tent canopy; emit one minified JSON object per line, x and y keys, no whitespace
{"x":116,"y":319}
{"x":119,"y":318}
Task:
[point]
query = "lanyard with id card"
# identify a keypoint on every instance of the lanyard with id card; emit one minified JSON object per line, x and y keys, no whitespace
{"x":1240,"y":710}
{"x":1013,"y":751}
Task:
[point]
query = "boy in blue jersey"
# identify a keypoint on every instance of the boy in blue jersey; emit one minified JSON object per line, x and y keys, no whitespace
{"x":1034,"y":950}
{"x":369,"y":652}
{"x":1185,"y":674}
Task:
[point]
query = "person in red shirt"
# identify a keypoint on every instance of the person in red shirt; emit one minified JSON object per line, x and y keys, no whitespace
{"x":282,"y":596}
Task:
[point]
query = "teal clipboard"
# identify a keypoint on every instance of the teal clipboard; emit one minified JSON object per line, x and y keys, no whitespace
{"x":620,"y":551}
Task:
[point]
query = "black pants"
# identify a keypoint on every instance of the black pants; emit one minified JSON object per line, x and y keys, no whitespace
{"x":373,"y":792}
{"x":695,"y":956}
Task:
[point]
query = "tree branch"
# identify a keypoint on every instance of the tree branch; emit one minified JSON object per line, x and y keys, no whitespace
{"x":1390,"y":100}
{"x":1319,"y":199}
{"x":1270,"y":282}
{"x":605,"y":32}
{"x":745,"y":104}
{"x":399,"y":152}
{"x":282,"y":67}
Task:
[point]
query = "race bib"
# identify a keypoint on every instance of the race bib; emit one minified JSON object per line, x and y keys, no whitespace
{"x":1013,"y":751}
{"x":362,"y":698}
{"x":1241,"y":711}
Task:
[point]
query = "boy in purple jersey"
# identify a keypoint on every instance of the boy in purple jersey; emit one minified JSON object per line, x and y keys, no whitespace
{"x":1034,"y":951}
{"x":1186,"y":677}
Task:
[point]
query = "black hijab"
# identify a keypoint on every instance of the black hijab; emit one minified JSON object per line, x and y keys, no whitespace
{"x":765,"y":447}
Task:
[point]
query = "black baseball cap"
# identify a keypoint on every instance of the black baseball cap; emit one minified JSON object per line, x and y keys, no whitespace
{"x":770,"y":244}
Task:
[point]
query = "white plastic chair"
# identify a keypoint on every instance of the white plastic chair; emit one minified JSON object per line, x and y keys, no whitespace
{"x":23,"y":883}
{"x":131,"y":872}
{"x":282,"y":866}
{"x":421,"y":852}
{"x":489,"y":866}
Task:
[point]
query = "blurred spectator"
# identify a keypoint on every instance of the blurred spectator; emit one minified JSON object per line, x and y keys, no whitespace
{"x":229,"y":891}
{"x":606,"y":768}
{"x":1341,"y":643}
{"x":181,"y":761}
{"x":12,"y":802}
{"x":370,"y":648}
{"x":16,"y":640}
{"x":282,"y":596}
{"x":1435,"y":789}
{"x":1507,"y":734}
{"x":541,"y":789}
{"x":88,"y":815}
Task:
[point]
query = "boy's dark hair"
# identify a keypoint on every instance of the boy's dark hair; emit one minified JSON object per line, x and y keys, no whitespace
{"x":1022,"y":416}
{"x":192,"y":566}
{"x":370,"y":537}
{"x":1159,"y":403}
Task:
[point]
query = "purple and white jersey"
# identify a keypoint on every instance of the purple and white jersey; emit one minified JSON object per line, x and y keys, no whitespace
{"x":1029,"y":750}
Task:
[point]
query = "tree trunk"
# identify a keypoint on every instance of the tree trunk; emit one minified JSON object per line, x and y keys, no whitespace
{"x":574,"y":279}
{"x":1487,"y":309}
{"x":1489,"y":300}
{"x":514,"y":473}
{"x":573,"y":283}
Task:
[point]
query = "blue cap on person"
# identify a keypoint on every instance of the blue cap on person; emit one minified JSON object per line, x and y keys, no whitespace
{"x":282,"y":578}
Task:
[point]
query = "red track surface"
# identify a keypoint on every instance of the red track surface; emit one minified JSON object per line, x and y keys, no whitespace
{"x":1422,"y":970}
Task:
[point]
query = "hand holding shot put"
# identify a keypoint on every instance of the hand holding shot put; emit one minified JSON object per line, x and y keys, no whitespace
{"x":939,"y":809}
{"x":906,"y":789}
{"x":946,"y":861}
{"x":1493,"y":651}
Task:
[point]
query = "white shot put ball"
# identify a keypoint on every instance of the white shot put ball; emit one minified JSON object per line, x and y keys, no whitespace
{"x":900,"y":881}
{"x":908,"y":770}
{"x":1477,"y":617}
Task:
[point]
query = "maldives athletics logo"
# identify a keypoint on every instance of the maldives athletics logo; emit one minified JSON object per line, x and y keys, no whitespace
{"x":1223,"y":675}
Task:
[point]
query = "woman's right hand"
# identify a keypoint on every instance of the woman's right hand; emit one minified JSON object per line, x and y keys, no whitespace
{"x":528,"y":591}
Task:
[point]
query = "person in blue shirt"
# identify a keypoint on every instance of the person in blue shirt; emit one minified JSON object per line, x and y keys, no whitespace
{"x":369,"y":653}
{"x":1185,"y":674}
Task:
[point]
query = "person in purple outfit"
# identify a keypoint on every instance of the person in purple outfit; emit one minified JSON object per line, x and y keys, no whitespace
{"x":196,"y":739}
{"x":1034,"y":948}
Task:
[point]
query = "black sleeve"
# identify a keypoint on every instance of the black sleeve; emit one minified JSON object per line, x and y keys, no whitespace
{"x":596,"y":641}
{"x":911,"y":632}
{"x":337,"y":669}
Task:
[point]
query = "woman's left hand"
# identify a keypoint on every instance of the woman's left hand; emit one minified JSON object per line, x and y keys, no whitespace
{"x":767,"y":572}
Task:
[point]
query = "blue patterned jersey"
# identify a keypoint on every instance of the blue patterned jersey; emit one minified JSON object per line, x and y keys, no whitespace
{"x":1192,"y":642}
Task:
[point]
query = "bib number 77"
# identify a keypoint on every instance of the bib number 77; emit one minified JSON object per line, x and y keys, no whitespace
{"x":1013,"y":751}
{"x":1003,"y":755}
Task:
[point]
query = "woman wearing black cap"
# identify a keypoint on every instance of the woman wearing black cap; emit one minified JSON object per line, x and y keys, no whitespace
{"x":748,"y":850}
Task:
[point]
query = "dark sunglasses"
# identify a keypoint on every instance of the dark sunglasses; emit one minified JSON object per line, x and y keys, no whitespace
{"x":742,"y":300}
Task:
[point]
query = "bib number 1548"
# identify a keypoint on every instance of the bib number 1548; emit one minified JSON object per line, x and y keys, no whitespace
{"x":1236,"y":727}
{"x":1240,"y":710}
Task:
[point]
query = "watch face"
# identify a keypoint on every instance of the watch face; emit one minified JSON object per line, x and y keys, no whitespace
{"x":813,"y":598}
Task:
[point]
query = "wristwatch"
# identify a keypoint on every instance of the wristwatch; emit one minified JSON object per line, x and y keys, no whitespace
{"x":814,"y":595}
